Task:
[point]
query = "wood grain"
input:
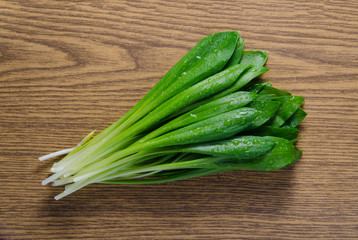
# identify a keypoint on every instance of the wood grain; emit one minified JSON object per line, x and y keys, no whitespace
{"x":68,"y":67}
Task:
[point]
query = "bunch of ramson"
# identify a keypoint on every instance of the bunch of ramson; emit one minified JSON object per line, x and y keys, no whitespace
{"x":207,"y":115}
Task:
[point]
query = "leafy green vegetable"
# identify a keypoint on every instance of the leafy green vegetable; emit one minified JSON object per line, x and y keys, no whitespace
{"x":207,"y":115}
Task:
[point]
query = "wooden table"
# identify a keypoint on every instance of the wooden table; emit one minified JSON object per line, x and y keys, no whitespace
{"x":68,"y":67}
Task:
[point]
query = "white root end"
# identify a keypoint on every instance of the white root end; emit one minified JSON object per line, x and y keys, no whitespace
{"x":55,"y":154}
{"x":62,"y":172}
{"x":62,"y":181}
{"x":51,"y":178}
{"x":71,"y":188}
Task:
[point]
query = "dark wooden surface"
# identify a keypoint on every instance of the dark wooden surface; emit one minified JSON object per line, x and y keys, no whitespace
{"x":68,"y":67}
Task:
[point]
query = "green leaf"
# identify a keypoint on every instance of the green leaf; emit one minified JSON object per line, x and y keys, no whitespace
{"x":236,"y":57}
{"x":287,"y":133}
{"x":289,"y":105}
{"x":282,"y":155}
{"x":242,"y":147}
{"x":295,"y":119}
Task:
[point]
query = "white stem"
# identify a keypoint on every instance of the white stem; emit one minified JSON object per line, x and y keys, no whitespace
{"x":52,"y":178}
{"x":55,"y":154}
{"x":62,"y":181}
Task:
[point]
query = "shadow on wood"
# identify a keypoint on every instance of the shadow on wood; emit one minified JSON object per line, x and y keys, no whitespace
{"x":232,"y":193}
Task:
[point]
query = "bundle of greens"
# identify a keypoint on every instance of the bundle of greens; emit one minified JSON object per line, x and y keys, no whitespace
{"x":208,"y":114}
